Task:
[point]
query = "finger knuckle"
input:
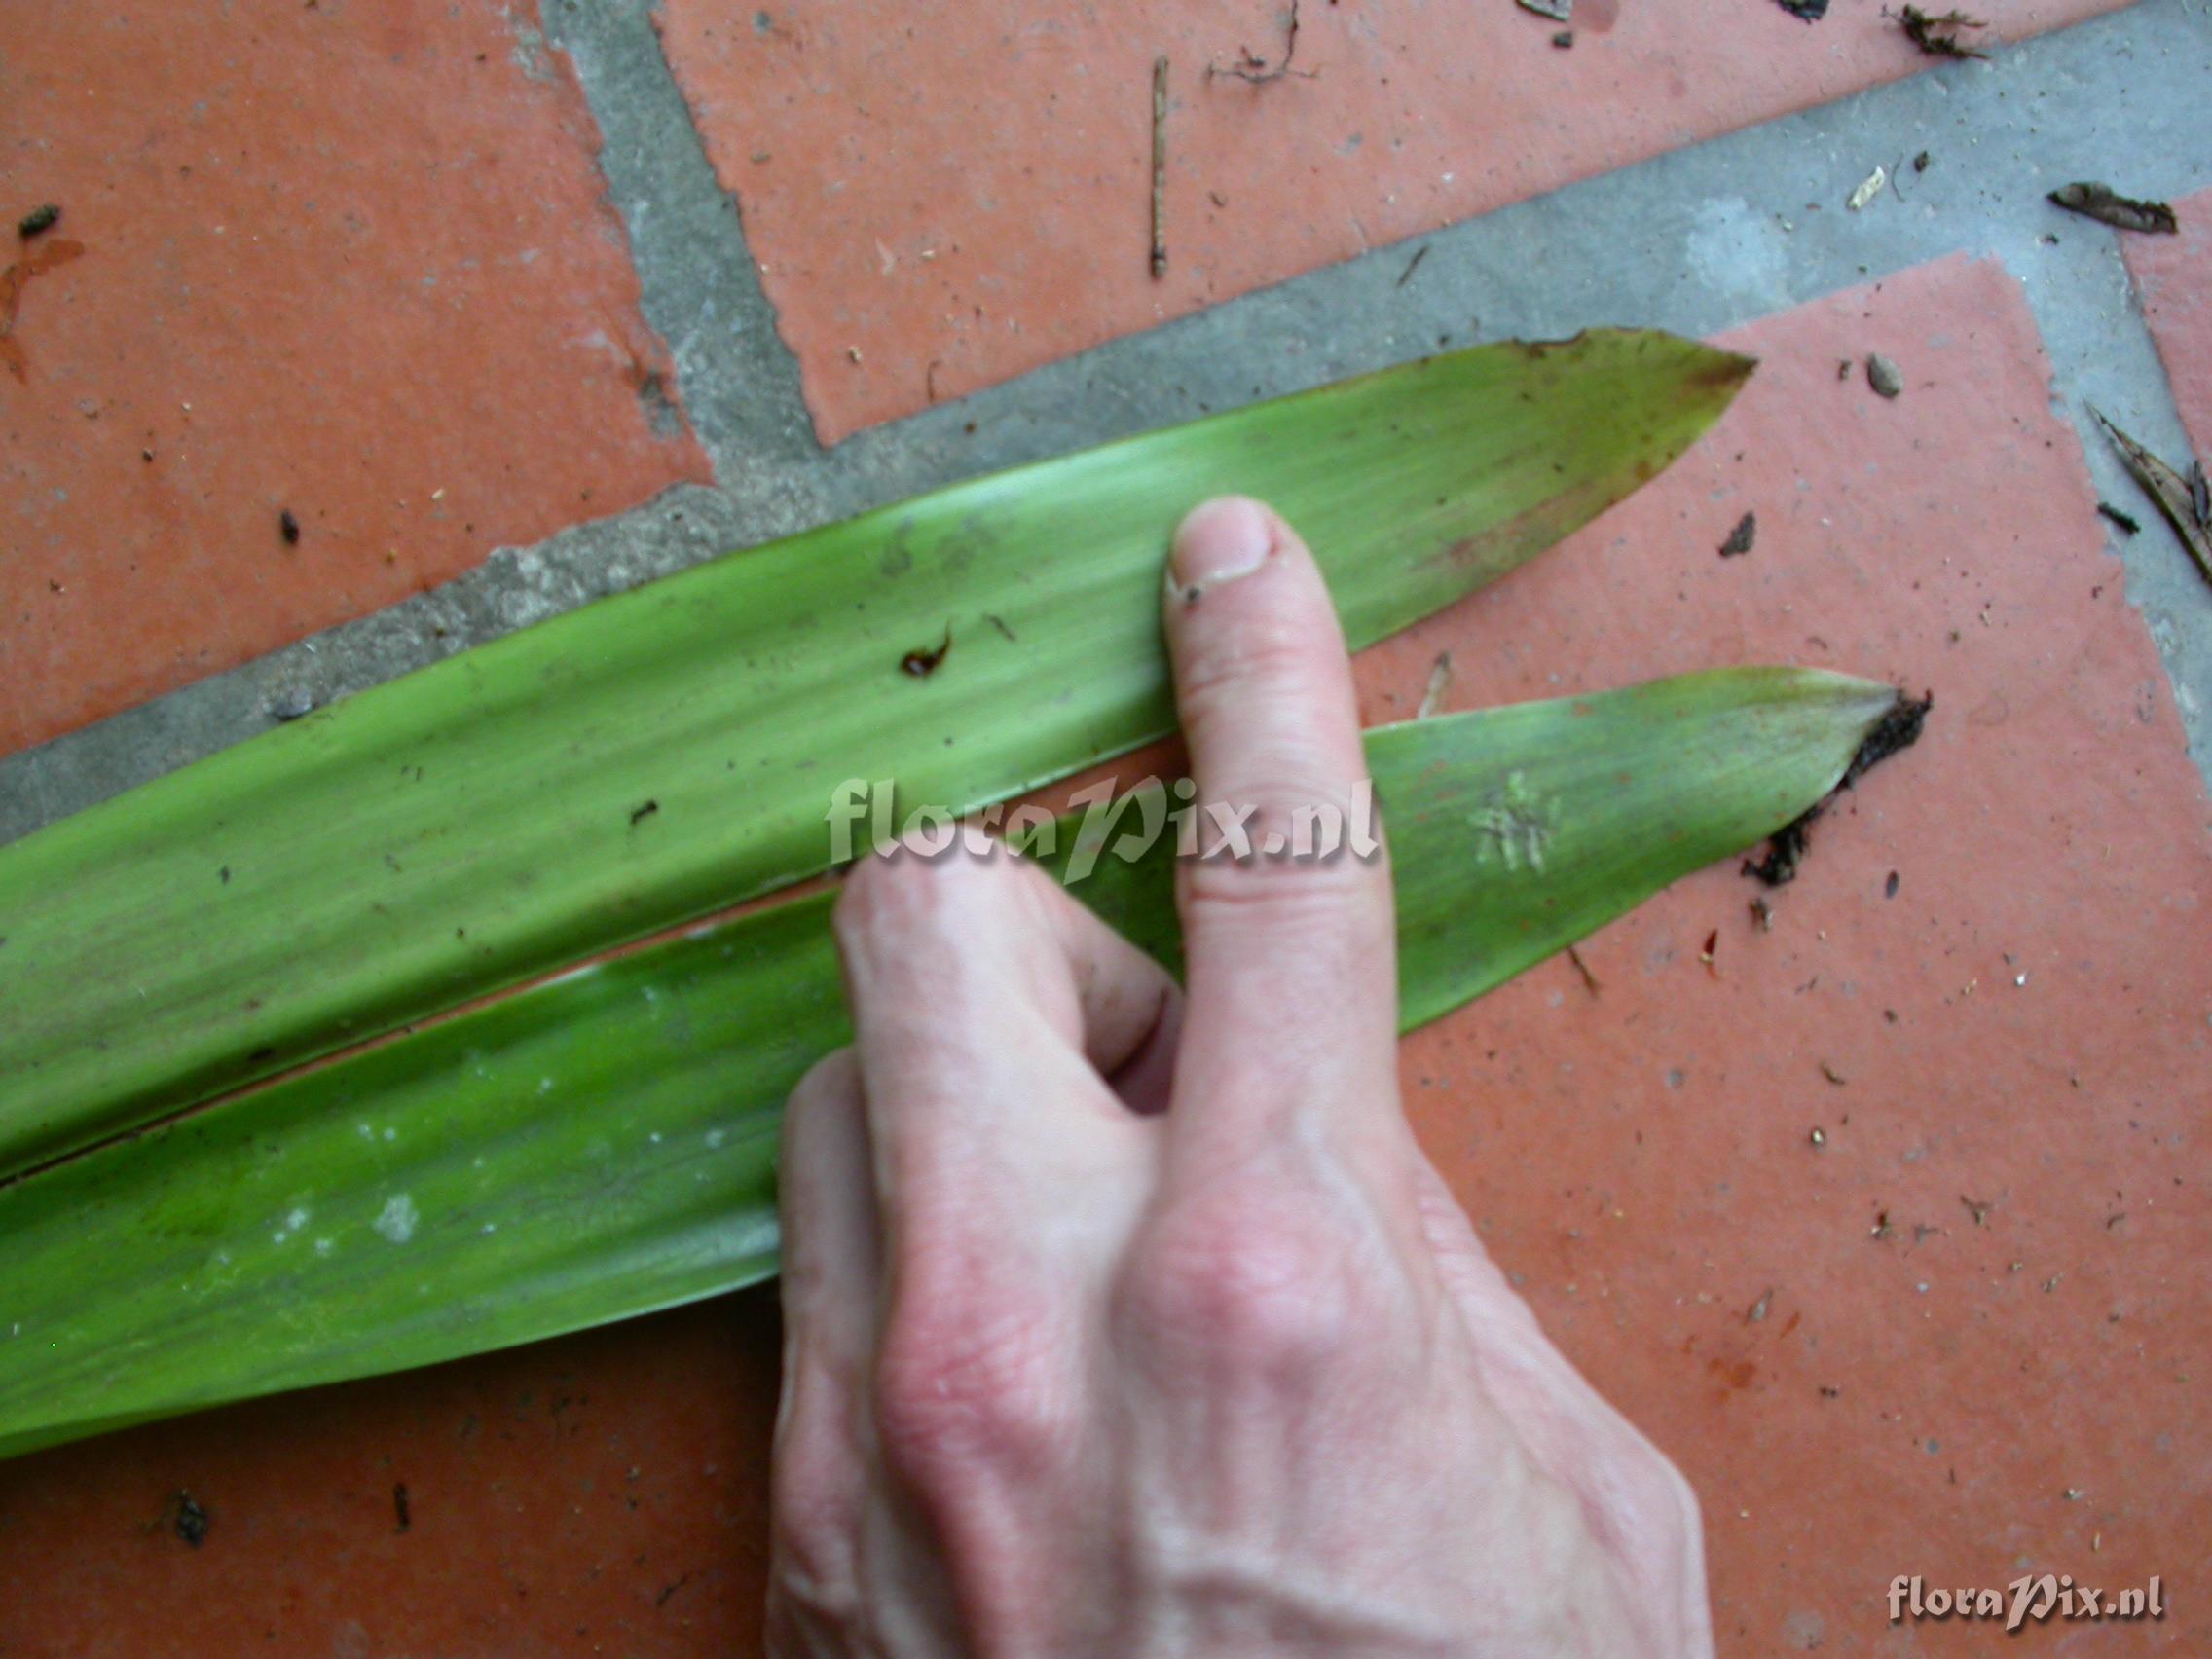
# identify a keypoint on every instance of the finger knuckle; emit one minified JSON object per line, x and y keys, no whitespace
{"x":904,"y":892}
{"x":972,"y":1380}
{"x":882,"y":888}
{"x":1243,"y":1290}
{"x":1326,"y":898}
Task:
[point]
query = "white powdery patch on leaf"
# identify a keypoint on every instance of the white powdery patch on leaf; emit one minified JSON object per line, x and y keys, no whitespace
{"x":398,"y":1218}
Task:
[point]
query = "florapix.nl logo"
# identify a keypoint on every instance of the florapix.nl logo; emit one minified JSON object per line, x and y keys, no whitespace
{"x":1106,"y":820}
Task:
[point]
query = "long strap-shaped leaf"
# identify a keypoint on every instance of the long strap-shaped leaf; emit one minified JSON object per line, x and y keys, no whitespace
{"x":658,"y":755}
{"x":602,"y":1144}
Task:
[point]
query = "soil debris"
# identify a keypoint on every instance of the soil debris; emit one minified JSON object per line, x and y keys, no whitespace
{"x":1589,"y":980}
{"x":2106,"y":205}
{"x":1784,"y":849}
{"x":401,"y":1511}
{"x":192,"y":1520}
{"x":1937,"y":35}
{"x":1158,"y":168}
{"x":1883,"y":375}
{"x":1741,"y":539}
{"x":640,"y":814}
{"x":1251,"y":67}
{"x":1896,"y":730}
{"x":13,"y":281}
{"x":2128,"y":522}
{"x":921,"y":664}
{"x":1979,"y":1209}
{"x":1890,"y":887}
{"x":43,"y":217}
{"x":1564,"y":39}
{"x":288,"y":527}
{"x":1806,"y":10}
{"x":2181,"y":497}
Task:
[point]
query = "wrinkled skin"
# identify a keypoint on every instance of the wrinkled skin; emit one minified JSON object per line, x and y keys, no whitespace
{"x":1130,"y":1322}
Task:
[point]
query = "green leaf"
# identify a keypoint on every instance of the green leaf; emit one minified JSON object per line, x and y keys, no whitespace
{"x":657,"y":756}
{"x":603,"y":1144}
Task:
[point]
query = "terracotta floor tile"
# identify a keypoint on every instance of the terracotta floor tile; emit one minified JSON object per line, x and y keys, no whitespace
{"x":942,"y":196}
{"x":596,"y":1494}
{"x":352,"y":262}
{"x":2173,"y":277}
{"x":2022,"y":1026}
{"x":2027,"y":1024}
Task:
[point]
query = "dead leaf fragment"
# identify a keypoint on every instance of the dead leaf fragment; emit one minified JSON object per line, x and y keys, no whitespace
{"x":1939,"y":35}
{"x":2106,"y":205}
{"x":2171,"y":490}
{"x":1439,"y":683}
{"x":1558,"y":10}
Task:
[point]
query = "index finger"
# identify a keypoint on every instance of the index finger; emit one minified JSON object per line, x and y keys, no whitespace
{"x":1289,"y":948}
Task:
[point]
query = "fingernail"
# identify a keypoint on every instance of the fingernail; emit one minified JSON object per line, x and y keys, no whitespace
{"x":1220,"y":541}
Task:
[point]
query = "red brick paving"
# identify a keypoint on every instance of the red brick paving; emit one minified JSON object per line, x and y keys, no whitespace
{"x":352,"y":261}
{"x":1644,"y":1156}
{"x":2173,"y":278}
{"x":1641,"y":1158}
{"x":942,"y":196}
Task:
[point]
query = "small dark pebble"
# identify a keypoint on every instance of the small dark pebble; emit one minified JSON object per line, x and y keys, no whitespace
{"x":288,"y":527}
{"x":1890,"y":887}
{"x":40,"y":218}
{"x":291,"y":706}
{"x":1741,"y":539}
{"x":1564,"y":39}
{"x":1883,"y":376}
{"x":1919,"y":163}
{"x":2125,"y":521}
{"x":191,"y":1521}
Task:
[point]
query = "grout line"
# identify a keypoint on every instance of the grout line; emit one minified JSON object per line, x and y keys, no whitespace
{"x":701,"y":290}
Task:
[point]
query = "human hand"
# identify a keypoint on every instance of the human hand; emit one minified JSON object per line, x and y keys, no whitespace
{"x":1125,"y":1323}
